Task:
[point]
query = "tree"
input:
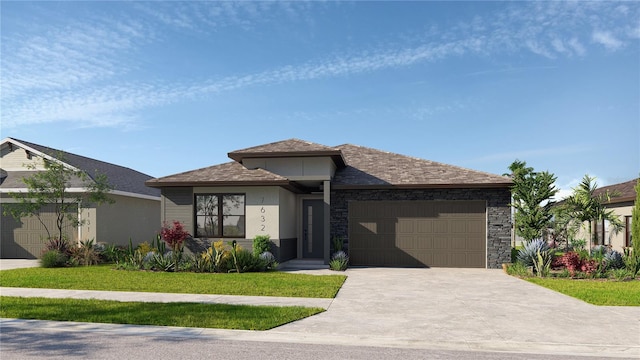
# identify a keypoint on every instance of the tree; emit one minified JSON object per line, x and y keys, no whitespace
{"x":532,"y":198}
{"x":588,"y":207}
{"x":562,"y":227}
{"x":51,"y":186}
{"x":635,"y":222}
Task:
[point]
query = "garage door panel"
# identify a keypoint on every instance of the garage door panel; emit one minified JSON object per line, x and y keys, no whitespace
{"x":424,"y":226}
{"x":405,"y":226}
{"x":406,"y":243}
{"x":26,"y":238}
{"x":420,"y":233}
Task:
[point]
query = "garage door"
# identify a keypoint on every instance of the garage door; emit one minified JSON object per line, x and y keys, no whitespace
{"x":25,"y":239}
{"x":418,"y":233}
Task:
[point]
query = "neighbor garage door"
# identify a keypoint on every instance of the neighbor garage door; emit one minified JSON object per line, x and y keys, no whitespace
{"x":25,"y":239}
{"x":418,"y":233}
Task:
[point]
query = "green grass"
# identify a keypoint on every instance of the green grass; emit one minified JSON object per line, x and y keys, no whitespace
{"x":609,"y":293}
{"x":218,"y":316}
{"x":104,"y":277}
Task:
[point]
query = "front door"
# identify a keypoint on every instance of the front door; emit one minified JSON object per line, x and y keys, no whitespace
{"x":312,"y":229}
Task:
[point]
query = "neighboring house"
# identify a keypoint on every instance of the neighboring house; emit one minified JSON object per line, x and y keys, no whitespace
{"x":390,"y":209}
{"x":621,"y":206}
{"x":134,"y":215}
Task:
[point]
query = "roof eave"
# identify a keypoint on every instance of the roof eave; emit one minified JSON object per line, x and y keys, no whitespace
{"x":423,"y":186}
{"x":161,"y":184}
{"x":335,"y":155}
{"x":618,"y":200}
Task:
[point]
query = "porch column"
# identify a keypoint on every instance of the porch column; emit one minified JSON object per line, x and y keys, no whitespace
{"x":326,"y":189}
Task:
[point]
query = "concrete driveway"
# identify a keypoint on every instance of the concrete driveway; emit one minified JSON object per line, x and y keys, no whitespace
{"x":471,"y":309}
{"x":8,"y":264}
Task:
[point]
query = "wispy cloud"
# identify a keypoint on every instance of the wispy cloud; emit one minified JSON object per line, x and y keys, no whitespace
{"x":607,"y":39}
{"x":81,"y":71}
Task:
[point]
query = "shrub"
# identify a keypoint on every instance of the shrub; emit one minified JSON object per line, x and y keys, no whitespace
{"x":261,"y":243}
{"x":514,"y":254}
{"x":631,"y":261}
{"x":60,"y":245}
{"x":578,"y":244}
{"x":86,"y":254}
{"x":112,"y":253}
{"x":338,"y":243}
{"x":53,"y":259}
{"x":542,"y":262}
{"x":174,"y":237}
{"x":162,"y":262}
{"x":247,"y":262}
{"x":572,"y":261}
{"x":269,"y":260}
{"x":530,"y":250}
{"x":339,"y":261}
{"x":613,"y":259}
{"x":145,"y":247}
{"x":517,"y":269}
{"x":621,"y":274}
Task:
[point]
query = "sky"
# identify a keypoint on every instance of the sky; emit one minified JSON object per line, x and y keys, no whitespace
{"x":167,"y":87}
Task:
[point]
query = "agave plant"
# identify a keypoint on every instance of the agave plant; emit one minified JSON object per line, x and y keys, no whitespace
{"x":529,"y":252}
{"x":614,"y":260}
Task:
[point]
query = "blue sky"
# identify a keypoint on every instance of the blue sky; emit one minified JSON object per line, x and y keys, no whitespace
{"x":166,"y":87}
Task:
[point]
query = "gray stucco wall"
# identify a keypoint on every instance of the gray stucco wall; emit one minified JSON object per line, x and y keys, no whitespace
{"x":498,"y":213}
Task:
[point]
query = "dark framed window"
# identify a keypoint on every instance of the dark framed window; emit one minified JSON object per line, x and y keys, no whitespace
{"x":627,"y":230}
{"x":220,"y":215}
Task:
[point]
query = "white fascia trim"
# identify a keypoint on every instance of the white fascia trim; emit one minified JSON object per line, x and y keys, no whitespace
{"x":81,"y":190}
{"x":41,"y":154}
{"x":134,"y":195}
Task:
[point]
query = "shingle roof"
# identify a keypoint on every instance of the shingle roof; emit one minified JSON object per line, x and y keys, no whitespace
{"x":288,"y":148}
{"x":363,"y":167}
{"x":375,"y":168}
{"x":626,"y":191}
{"x":231,"y":173}
{"x":121,"y":178}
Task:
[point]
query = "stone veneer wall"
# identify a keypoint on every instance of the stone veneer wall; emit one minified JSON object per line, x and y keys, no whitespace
{"x":498,"y":213}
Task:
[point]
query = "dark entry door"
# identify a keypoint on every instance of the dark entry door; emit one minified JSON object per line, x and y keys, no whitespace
{"x":312,"y":229}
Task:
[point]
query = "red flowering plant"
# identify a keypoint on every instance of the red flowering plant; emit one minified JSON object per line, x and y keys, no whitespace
{"x":175,"y":236}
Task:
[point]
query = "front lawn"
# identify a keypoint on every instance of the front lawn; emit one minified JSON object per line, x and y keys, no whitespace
{"x":218,"y":316}
{"x":596,"y":292}
{"x":104,"y":277}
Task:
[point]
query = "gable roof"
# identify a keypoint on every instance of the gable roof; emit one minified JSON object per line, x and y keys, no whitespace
{"x":367,"y":167}
{"x":362,"y":168}
{"x":288,"y":148}
{"x":625,"y":190}
{"x":122,"y":179}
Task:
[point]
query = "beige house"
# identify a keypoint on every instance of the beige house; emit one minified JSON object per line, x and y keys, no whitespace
{"x":622,"y":206}
{"x":390,"y":209}
{"x":135,"y":214}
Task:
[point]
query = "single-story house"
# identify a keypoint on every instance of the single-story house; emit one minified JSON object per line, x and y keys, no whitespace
{"x":622,"y":205}
{"x":389,"y":209}
{"x":135,"y":214}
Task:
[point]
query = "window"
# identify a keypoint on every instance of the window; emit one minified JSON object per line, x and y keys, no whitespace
{"x":220,"y":215}
{"x":601,"y":232}
{"x":627,"y":231}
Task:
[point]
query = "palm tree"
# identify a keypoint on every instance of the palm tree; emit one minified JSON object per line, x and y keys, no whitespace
{"x":588,"y":207}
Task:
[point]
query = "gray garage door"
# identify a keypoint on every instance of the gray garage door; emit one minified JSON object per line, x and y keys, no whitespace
{"x":25,"y":239}
{"x":418,"y":233}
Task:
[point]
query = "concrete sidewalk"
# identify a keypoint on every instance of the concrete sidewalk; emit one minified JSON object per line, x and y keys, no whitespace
{"x":164,"y":298}
{"x":446,"y":309}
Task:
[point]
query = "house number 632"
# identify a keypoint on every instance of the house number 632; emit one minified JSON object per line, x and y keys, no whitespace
{"x":263,"y":227}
